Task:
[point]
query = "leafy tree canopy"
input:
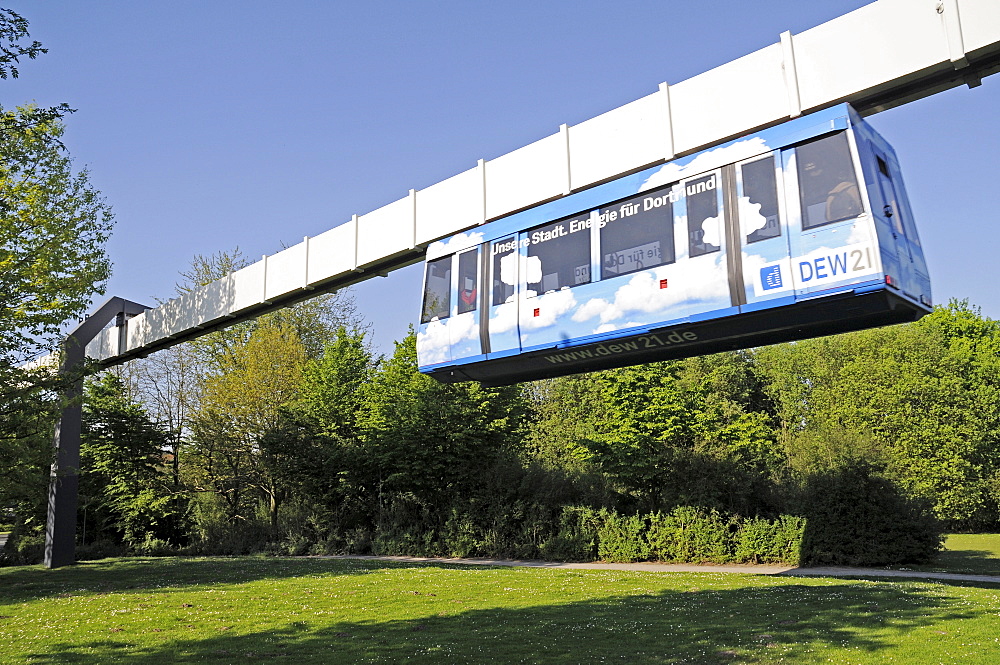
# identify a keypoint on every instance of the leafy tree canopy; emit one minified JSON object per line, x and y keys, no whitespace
{"x":431,"y":439}
{"x":14,"y":28}
{"x":53,"y":226}
{"x":121,"y":453}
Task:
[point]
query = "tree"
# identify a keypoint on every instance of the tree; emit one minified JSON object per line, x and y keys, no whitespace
{"x":174,"y":385}
{"x":125,"y":493}
{"x":167,"y":384}
{"x":647,"y":424}
{"x":921,"y":400}
{"x":734,"y":416}
{"x":239,"y":406}
{"x":430,"y":440}
{"x":53,"y":226}
{"x":689,"y":432}
{"x":13,"y":28}
{"x":334,"y":385}
{"x":314,"y":451}
{"x":567,"y":411}
{"x":28,"y":412}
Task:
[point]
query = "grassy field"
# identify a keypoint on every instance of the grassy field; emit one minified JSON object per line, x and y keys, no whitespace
{"x":975,"y":553}
{"x":259,"y":610}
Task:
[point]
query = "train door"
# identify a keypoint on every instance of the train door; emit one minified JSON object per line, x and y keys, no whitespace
{"x":832,"y":239}
{"x":463,"y":331}
{"x":892,"y":212}
{"x":921,"y":273}
{"x":704,"y":290}
{"x":762,"y":231}
{"x":433,"y":342}
{"x":501,"y":338}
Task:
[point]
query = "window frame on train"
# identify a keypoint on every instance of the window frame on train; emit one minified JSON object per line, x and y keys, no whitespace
{"x":427,"y":314}
{"x":749,"y":185}
{"x":649,"y":217}
{"x":566,"y":243}
{"x":817,"y":189}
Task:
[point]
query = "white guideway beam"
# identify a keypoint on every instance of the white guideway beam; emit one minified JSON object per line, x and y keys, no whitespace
{"x":882,"y":55}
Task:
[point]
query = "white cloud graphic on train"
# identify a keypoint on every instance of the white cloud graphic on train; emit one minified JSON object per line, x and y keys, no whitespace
{"x":663,"y":290}
{"x":454,"y":244}
{"x":435,"y":341}
{"x":705,"y":161}
{"x":545,"y":310}
{"x":751,"y":217}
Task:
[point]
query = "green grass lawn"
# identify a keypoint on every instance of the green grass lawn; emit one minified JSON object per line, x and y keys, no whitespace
{"x":265,"y":610}
{"x":976,"y":553}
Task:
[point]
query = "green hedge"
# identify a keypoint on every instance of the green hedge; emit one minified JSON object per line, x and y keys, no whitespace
{"x":579,"y":533}
{"x":857,"y":517}
{"x":694,"y":535}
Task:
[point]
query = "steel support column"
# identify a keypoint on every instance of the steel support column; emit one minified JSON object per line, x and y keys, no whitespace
{"x":60,"y":527}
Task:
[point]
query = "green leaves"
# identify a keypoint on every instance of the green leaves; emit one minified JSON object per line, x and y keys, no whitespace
{"x":53,"y":226}
{"x":123,"y":490}
{"x":858,"y":517}
{"x":923,"y":399}
{"x":334,"y":385}
{"x":693,"y":431}
{"x":430,"y":439}
{"x":13,"y":28}
{"x":241,"y":403}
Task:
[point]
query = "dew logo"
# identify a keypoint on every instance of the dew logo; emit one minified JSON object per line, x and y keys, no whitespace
{"x":829,"y":266}
{"x":770,"y":277}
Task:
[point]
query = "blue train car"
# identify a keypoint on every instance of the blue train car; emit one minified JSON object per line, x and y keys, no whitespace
{"x":795,"y":231}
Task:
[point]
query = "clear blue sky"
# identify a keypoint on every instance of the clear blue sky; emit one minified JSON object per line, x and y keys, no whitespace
{"x":211,"y":125}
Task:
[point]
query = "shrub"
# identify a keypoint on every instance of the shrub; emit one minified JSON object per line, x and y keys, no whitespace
{"x":24,"y":547}
{"x":621,"y":538}
{"x":859,"y":518}
{"x":690,"y":535}
{"x":460,"y":536}
{"x":99,"y":549}
{"x":763,"y":541}
{"x":787,"y":543}
{"x":154,"y":547}
{"x":576,"y":536}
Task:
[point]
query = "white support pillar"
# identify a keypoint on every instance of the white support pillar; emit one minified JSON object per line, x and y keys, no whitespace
{"x":791,"y":76}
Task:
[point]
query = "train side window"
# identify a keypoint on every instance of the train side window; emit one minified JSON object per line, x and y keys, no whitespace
{"x":703,"y":215}
{"x":828,"y":185}
{"x":889,"y":194}
{"x":882,"y":166}
{"x":468,"y":281}
{"x":437,"y":290}
{"x":558,"y":256}
{"x":641,"y":236}
{"x":504,"y":253}
{"x":760,"y":186}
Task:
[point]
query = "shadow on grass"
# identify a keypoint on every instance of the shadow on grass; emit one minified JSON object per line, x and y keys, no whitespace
{"x":762,"y":621}
{"x":23,"y":583}
{"x":970,"y":561}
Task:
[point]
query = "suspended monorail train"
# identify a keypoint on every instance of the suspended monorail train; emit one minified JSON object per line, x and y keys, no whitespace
{"x":796,"y":231}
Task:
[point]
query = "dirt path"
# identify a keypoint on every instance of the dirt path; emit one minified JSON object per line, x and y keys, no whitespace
{"x":688,"y":568}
